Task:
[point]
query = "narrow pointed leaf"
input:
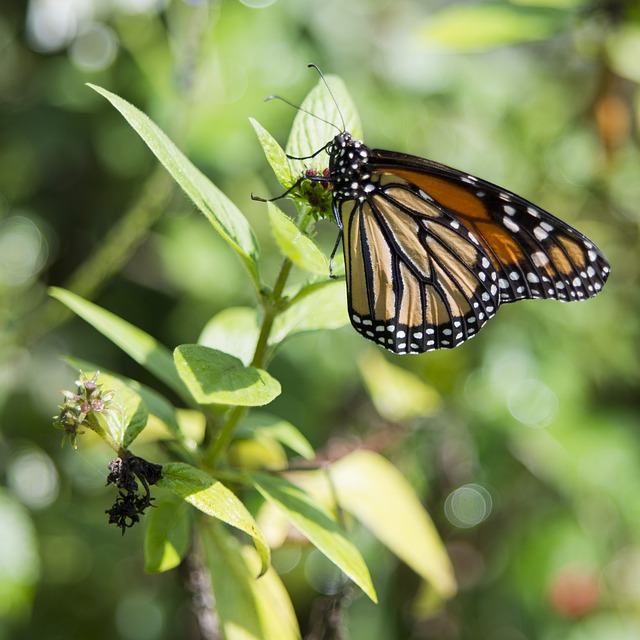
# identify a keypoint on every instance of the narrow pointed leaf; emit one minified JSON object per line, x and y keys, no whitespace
{"x":215,"y":377}
{"x":211,"y":497}
{"x":309,"y":133}
{"x":317,"y":525}
{"x":248,"y":609}
{"x":275,"y":154}
{"x":139,"y":345}
{"x":295,"y":245}
{"x":225,"y":217}
{"x":377,"y":494}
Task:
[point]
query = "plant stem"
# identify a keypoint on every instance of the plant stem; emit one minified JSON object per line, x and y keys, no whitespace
{"x":272,"y":305}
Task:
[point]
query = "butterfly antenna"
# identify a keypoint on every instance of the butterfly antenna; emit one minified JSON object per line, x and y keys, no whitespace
{"x":326,"y":84}
{"x":299,"y":108}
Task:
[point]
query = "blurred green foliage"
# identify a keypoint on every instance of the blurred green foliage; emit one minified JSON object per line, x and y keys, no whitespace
{"x":529,"y":461}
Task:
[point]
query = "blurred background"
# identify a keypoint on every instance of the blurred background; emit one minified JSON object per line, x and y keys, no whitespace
{"x":527,"y":452}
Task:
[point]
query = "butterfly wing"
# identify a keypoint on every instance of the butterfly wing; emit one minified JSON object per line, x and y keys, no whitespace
{"x":535,"y":254}
{"x":417,"y":279}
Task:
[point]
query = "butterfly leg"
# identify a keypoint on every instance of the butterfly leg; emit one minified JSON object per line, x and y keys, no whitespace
{"x":291,"y":189}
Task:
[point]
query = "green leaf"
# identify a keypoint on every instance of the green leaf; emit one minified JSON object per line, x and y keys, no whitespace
{"x":310,"y":134}
{"x":211,"y":497}
{"x":235,"y":331}
{"x":167,"y":535}
{"x":215,"y":377}
{"x":377,"y":494}
{"x":397,"y":394}
{"x":126,"y":414}
{"x":225,"y":217}
{"x":248,"y":609}
{"x":316,"y":307}
{"x":317,"y":525}
{"x":275,"y":154}
{"x":295,"y":245}
{"x":476,"y":27}
{"x":262,"y":424}
{"x":140,"y":346}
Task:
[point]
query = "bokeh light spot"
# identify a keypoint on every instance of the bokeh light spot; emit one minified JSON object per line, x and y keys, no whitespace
{"x":19,"y":563}
{"x":51,"y":24}
{"x":23,"y":251}
{"x":532,"y":403}
{"x":322,"y":574}
{"x":95,"y":48}
{"x":468,"y":506}
{"x":33,"y":478}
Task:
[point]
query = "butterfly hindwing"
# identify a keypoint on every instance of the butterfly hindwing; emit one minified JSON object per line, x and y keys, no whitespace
{"x":536,"y":254}
{"x":408,"y":290}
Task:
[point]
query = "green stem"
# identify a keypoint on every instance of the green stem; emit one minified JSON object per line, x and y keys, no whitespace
{"x":272,"y":306}
{"x":272,"y":309}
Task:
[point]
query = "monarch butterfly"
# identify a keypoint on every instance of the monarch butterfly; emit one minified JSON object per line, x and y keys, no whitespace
{"x":431,"y":252}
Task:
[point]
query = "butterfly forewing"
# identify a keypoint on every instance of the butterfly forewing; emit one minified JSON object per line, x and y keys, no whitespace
{"x":536,"y":254}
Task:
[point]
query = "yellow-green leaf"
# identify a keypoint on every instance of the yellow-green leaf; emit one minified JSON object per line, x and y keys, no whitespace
{"x":377,"y":494}
{"x":211,"y":497}
{"x":317,"y":525}
{"x":248,"y":609}
{"x":295,"y":245}
{"x":397,"y":394}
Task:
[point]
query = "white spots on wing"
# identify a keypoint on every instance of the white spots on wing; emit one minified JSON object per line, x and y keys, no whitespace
{"x":539,"y":258}
{"x":540,"y":233}
{"x":511,"y":225}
